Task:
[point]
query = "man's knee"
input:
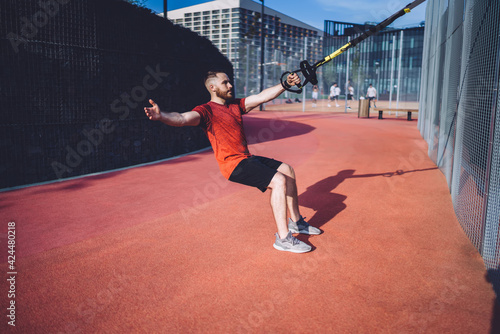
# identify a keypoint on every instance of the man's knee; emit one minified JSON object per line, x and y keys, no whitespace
{"x":287,"y":170}
{"x":278,"y":181}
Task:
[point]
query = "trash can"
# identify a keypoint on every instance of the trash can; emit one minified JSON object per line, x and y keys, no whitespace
{"x":364,"y":108}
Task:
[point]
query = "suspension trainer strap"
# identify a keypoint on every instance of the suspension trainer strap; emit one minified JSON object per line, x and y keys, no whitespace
{"x":309,"y":71}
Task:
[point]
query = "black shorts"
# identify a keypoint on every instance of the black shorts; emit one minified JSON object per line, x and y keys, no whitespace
{"x":255,"y":171}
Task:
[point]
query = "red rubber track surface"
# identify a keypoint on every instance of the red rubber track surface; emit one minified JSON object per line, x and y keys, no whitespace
{"x":175,"y":248}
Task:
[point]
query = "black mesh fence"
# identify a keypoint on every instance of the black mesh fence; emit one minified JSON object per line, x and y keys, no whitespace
{"x":75,"y":77}
{"x":460,"y":116}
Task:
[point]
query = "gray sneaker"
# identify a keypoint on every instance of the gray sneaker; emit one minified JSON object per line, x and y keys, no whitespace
{"x":302,"y":227}
{"x":291,"y":244}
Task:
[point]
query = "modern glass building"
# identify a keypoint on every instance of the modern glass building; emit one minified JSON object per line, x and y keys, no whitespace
{"x":234,"y":26}
{"x":392,"y":58}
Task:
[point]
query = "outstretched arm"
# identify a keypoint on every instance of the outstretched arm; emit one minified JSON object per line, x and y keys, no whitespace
{"x":270,"y":93}
{"x":190,"y":118}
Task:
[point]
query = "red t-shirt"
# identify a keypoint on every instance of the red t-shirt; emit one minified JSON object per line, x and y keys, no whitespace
{"x":223,"y":125}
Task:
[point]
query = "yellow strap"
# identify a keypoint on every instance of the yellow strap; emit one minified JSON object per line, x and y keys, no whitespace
{"x":335,"y":54}
{"x":345,"y":47}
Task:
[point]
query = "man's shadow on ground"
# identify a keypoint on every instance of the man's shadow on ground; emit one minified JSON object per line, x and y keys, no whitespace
{"x":326,"y":204}
{"x":322,"y":200}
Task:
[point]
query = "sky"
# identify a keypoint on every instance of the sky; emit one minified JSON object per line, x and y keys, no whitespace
{"x":315,"y":12}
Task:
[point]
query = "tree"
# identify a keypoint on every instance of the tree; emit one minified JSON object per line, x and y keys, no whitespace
{"x":140,"y":3}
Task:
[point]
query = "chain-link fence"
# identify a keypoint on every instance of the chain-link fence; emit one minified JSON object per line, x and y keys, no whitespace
{"x":75,"y":77}
{"x":390,"y":61}
{"x":460,"y":119}
{"x":276,"y":62}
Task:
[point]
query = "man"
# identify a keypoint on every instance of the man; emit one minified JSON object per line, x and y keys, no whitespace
{"x":350,"y":94}
{"x":334,"y":94}
{"x":337,"y":94}
{"x":371,"y":94}
{"x":315,"y":94}
{"x":221,"y":119}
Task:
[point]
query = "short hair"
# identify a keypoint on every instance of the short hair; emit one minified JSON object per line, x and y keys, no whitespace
{"x":211,"y":74}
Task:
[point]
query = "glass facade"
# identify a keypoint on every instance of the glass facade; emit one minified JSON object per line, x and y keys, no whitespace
{"x":392,"y":58}
{"x":237,"y":32}
{"x":285,"y":46}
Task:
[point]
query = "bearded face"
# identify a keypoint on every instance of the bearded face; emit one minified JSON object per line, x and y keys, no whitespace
{"x":223,"y":94}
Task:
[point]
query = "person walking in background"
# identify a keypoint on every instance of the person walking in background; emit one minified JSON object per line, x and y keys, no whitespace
{"x":222,"y":121}
{"x":337,"y":94}
{"x":315,"y":94}
{"x":334,"y":94}
{"x":371,"y":94}
{"x":350,"y":94}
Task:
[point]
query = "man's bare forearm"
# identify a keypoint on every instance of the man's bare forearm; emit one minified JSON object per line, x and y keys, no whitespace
{"x":271,"y":93}
{"x":189,"y":118}
{"x":172,"y":118}
{"x":265,"y":96}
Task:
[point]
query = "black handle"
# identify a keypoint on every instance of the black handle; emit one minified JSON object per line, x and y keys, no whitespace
{"x":309,"y":73}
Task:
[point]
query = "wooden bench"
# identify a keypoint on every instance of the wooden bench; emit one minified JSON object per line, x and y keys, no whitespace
{"x":409,"y":111}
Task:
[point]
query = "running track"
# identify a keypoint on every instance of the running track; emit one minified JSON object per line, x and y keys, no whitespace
{"x":174,"y":248}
